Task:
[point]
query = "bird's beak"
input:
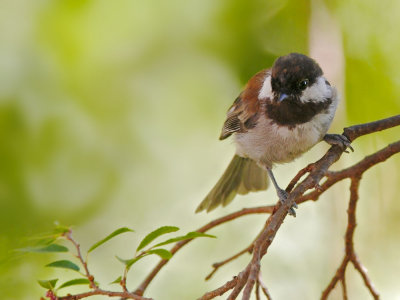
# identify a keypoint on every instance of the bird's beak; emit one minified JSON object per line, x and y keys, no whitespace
{"x":282,"y":97}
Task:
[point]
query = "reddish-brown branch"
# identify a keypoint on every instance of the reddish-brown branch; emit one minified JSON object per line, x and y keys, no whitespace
{"x":360,"y":268}
{"x":217,"y":265}
{"x":316,"y":173}
{"x":242,"y":278}
{"x":90,"y":277}
{"x":344,"y":287}
{"x":257,"y":291}
{"x":338,"y":275}
{"x":263,"y":287}
{"x":356,"y":131}
{"x":98,"y":292}
{"x":251,"y":276}
{"x":95,"y":289}
{"x":298,"y":176}
{"x":243,"y":212}
{"x":350,"y":255}
{"x":358,"y":168}
{"x":351,"y":225}
{"x":221,"y":290}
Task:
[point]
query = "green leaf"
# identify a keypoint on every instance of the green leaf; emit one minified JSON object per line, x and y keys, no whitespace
{"x":66,"y":264}
{"x":155,"y":234}
{"x":118,"y":280}
{"x":129,"y":262}
{"x":110,"y":236}
{"x":163,"y":253}
{"x":48,"y":284}
{"x":75,"y":282}
{"x":44,"y":241}
{"x":60,"y":230}
{"x":42,"y":236}
{"x":49,"y":237}
{"x":190,"y":235}
{"x":48,"y":248}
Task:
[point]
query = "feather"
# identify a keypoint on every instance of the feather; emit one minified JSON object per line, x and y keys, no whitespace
{"x":242,"y":176}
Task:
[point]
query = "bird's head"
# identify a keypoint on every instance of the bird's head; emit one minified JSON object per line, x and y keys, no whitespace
{"x":296,"y":77}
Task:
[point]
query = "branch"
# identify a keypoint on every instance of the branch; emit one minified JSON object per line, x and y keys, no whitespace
{"x":359,"y":168}
{"x":217,"y":265}
{"x":297,"y":188}
{"x":261,"y":283}
{"x":98,"y":291}
{"x":243,"y":212}
{"x":350,"y":255}
{"x":315,"y":173}
{"x":356,"y":131}
{"x":95,"y":288}
{"x":89,"y":276}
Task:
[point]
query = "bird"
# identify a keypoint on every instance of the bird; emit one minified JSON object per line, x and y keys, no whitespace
{"x":282,"y":112}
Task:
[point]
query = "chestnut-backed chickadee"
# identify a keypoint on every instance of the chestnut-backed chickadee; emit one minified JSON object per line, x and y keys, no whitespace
{"x":282,"y":113}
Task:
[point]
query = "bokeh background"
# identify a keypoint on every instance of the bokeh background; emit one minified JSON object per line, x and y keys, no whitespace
{"x":110,"y":113}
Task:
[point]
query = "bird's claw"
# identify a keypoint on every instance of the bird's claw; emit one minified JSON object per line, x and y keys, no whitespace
{"x":339,"y":140}
{"x":283,"y":195}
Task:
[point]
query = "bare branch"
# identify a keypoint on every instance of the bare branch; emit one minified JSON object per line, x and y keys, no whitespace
{"x":359,"y":168}
{"x":97,"y":292}
{"x":316,"y":172}
{"x":263,"y":287}
{"x":217,"y":265}
{"x":251,"y":275}
{"x":89,"y":276}
{"x":361,"y":269}
{"x":243,"y":212}
{"x":356,"y":131}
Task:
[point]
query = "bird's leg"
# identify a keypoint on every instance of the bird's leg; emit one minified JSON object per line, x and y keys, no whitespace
{"x":340,"y":140}
{"x":282,"y":194}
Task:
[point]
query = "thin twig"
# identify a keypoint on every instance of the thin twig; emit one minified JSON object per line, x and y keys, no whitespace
{"x":95,"y":289}
{"x":251,"y":275}
{"x":298,"y":176}
{"x":320,"y":169}
{"x":243,"y":212}
{"x":221,"y":290}
{"x":89,"y":276}
{"x":361,"y":269}
{"x":263,"y":287}
{"x":356,"y":131}
{"x":358,"y":168}
{"x":98,"y":291}
{"x":350,"y":255}
{"x":344,"y":286}
{"x":335,"y":278}
{"x":217,"y":265}
{"x":242,"y":277}
{"x":257,"y":290}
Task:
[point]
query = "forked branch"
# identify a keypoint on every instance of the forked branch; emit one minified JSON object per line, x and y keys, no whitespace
{"x":316,"y":172}
{"x":250,"y":276}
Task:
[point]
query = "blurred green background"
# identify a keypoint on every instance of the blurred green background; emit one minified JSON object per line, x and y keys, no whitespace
{"x":110,"y":113}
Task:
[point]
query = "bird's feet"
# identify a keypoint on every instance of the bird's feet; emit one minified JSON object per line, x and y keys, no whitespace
{"x":283,"y":195}
{"x":339,"y":140}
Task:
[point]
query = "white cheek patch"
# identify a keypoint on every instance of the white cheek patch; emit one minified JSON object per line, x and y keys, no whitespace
{"x":318,"y":92}
{"x":266,"y":89}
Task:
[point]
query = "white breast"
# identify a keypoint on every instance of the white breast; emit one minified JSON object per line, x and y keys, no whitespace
{"x":269,"y":143}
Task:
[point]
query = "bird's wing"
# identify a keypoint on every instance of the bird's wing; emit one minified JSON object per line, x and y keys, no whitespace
{"x":245,"y":111}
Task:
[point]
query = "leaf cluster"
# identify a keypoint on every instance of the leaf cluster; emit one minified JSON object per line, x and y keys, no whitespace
{"x":54,"y":241}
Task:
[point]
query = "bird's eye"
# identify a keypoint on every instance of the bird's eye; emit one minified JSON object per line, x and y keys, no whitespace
{"x":303,"y":84}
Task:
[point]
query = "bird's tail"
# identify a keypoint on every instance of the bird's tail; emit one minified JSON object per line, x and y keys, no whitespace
{"x":243,"y":175}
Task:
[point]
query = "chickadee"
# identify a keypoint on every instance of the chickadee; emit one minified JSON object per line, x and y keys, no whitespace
{"x":282,"y":113}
